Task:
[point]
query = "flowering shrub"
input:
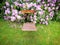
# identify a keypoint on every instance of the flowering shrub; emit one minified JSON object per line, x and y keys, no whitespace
{"x":44,"y":11}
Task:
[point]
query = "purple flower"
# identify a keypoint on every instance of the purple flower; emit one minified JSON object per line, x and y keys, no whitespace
{"x":7,"y":11}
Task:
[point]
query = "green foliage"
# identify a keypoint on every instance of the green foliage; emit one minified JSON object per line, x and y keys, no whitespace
{"x":2,"y":3}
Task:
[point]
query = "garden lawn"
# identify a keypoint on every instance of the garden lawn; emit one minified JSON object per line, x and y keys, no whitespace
{"x":11,"y":34}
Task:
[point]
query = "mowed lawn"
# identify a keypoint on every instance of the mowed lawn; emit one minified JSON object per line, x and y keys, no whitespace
{"x":11,"y":34}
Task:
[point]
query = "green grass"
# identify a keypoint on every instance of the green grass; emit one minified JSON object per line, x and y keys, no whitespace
{"x":11,"y":34}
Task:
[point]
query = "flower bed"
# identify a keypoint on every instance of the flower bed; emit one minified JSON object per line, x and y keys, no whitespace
{"x":44,"y":11}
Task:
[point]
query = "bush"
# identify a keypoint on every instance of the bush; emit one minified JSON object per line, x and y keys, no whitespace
{"x":45,"y":11}
{"x":2,"y":3}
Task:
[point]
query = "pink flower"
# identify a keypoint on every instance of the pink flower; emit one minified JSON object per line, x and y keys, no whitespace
{"x":49,"y":0}
{"x":31,"y":17}
{"x":52,"y":4}
{"x":20,"y":12}
{"x":35,"y":16}
{"x":35,"y":13}
{"x":45,"y":5}
{"x":5,"y":18}
{"x":34,"y":5}
{"x":4,"y":7}
{"x":46,"y":22}
{"x":51,"y":14}
{"x":7,"y":11}
{"x":14,"y":12}
{"x":7,"y":4}
{"x":38,"y":8}
{"x":20,"y":5}
{"x":48,"y":4}
{"x":13,"y":18}
{"x":16,"y":3}
{"x":49,"y":9}
{"x":41,"y":12}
